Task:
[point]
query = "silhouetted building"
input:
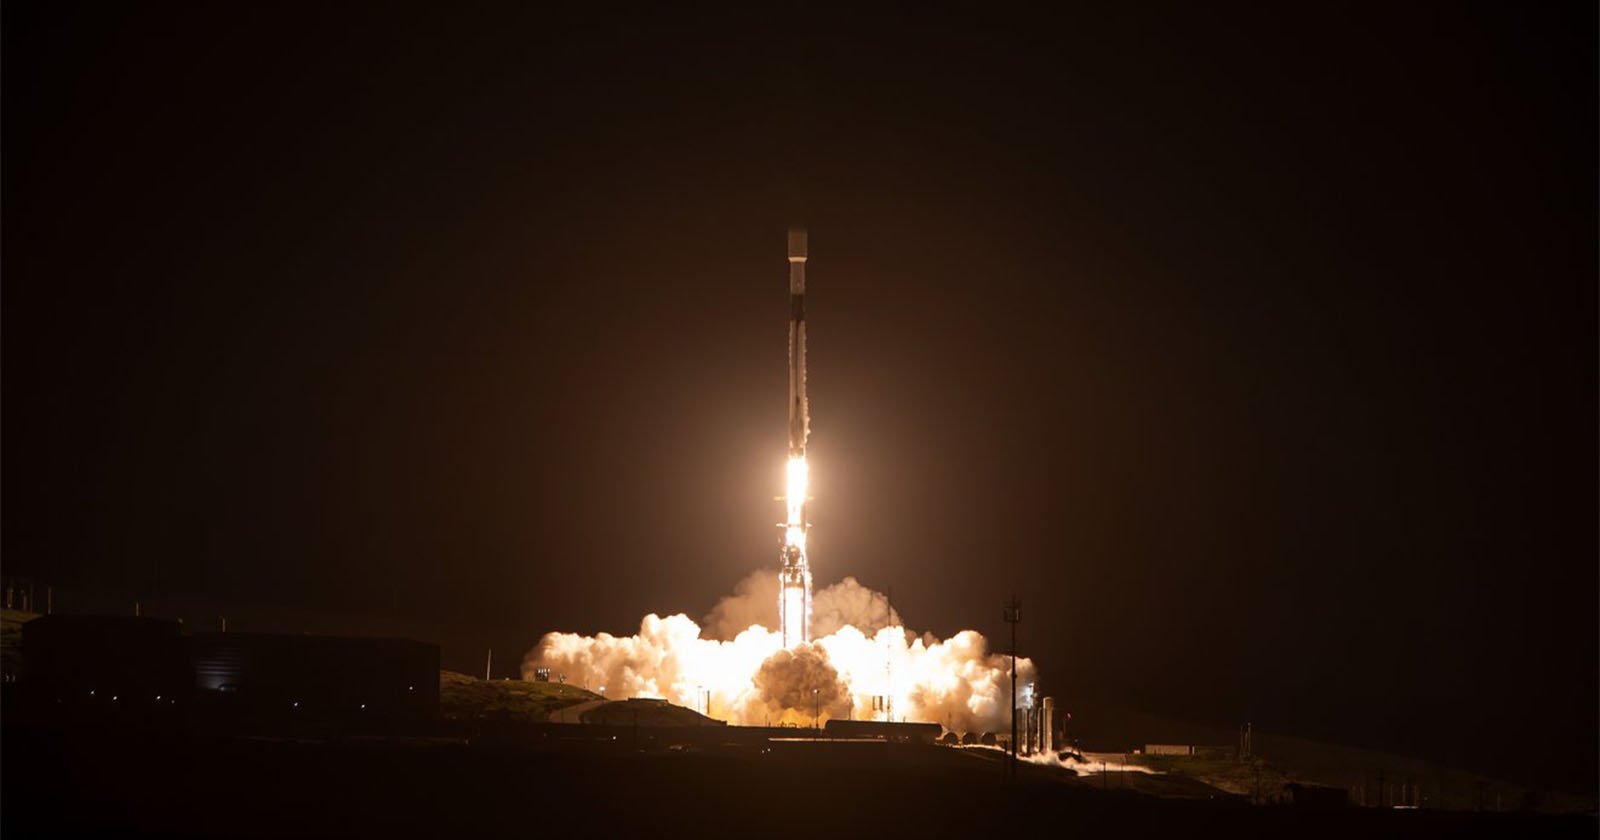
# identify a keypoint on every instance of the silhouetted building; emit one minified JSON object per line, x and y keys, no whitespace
{"x":321,"y":682}
{"x":1196,"y":750}
{"x":78,"y":663}
{"x":1318,"y":796}
{"x":907,"y":733}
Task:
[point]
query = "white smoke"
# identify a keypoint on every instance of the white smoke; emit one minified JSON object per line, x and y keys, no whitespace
{"x":849,"y":604}
{"x":1085,"y":767}
{"x":799,"y":679}
{"x":862,"y":664}
{"x":754,"y":602}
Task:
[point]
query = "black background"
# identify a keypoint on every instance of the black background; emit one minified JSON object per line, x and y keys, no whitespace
{"x":1255,"y":348}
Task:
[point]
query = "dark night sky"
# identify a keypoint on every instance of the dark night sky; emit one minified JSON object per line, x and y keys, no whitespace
{"x":1256,"y":349}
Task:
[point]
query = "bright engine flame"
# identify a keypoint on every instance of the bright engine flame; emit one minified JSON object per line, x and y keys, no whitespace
{"x":794,"y":606}
{"x":797,"y":487}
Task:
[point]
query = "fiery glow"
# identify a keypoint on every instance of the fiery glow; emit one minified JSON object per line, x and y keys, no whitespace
{"x":863,"y":663}
{"x":794,"y":600}
{"x":796,"y":489}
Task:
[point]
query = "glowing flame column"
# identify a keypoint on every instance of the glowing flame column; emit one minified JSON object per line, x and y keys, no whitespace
{"x":794,"y":577}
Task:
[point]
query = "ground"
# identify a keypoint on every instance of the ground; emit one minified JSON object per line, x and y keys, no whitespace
{"x":1256,"y":779}
{"x":645,"y":713}
{"x":468,"y":698}
{"x":11,"y":622}
{"x":1280,"y":759}
{"x":110,"y":783}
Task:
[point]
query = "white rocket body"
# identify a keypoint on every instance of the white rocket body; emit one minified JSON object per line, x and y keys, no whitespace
{"x":794,"y":577}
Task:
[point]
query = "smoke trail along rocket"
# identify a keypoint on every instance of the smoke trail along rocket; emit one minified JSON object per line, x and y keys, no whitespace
{"x":794,"y":592}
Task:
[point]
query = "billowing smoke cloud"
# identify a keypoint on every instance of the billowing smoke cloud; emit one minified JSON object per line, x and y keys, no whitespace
{"x":754,"y":602}
{"x":862,"y":664}
{"x":802,"y":679}
{"x":849,"y":604}
{"x":1086,"y":768}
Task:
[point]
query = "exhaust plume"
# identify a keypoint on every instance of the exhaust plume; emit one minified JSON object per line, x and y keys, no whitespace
{"x":754,"y":602}
{"x":802,"y":678}
{"x":863,"y":663}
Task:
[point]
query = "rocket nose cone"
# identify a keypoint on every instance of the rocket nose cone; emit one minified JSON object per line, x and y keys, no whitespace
{"x":797,"y":242}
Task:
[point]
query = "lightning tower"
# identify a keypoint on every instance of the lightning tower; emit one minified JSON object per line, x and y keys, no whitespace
{"x":794,"y":575}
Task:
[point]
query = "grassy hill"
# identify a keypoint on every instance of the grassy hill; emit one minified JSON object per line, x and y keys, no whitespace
{"x":1280,"y":759}
{"x":646,"y":712}
{"x":11,"y":622}
{"x":467,"y":698}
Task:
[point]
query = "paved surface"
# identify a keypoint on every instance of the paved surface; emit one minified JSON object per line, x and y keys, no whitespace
{"x":574,"y":713}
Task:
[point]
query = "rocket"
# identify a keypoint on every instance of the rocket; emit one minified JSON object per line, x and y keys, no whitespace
{"x":794,"y":575}
{"x":799,"y":412}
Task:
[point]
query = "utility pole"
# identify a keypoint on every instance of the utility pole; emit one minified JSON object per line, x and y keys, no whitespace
{"x":1013,"y":614}
{"x":488,"y":663}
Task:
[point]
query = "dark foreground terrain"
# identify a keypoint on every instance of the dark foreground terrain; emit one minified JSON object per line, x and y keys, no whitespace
{"x":154,"y":784}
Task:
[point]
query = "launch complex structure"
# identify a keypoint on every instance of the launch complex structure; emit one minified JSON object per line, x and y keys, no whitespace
{"x":794,"y":574}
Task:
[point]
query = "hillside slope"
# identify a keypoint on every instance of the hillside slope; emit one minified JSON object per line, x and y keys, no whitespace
{"x":462,"y":697}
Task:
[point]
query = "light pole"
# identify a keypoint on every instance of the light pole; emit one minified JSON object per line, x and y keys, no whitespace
{"x":1013,"y":615}
{"x":816,"y":711}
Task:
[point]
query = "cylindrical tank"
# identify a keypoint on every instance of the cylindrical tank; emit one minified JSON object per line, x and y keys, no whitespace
{"x":1047,"y":725}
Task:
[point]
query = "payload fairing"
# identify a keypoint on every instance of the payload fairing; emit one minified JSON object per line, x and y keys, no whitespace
{"x":794,"y":576}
